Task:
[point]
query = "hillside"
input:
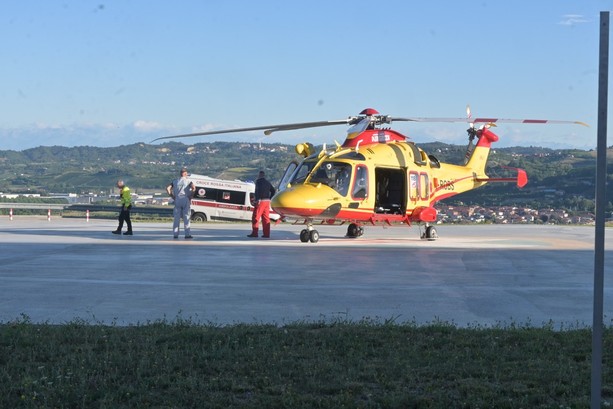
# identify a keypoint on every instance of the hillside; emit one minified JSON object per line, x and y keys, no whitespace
{"x":561,"y":178}
{"x":92,"y":169}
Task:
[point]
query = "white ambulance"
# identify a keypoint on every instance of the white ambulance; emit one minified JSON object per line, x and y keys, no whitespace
{"x":218,"y":199}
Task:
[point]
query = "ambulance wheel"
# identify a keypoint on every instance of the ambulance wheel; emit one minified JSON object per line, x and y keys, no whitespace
{"x":199,"y":217}
{"x":431,"y":233}
{"x":353,"y":230}
{"x":314,"y":236}
{"x":304,"y":235}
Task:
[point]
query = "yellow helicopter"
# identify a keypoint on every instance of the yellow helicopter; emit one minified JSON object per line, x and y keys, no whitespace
{"x":377,"y":176}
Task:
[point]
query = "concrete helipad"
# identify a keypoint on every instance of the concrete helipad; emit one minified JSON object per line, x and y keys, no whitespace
{"x":61,"y":270}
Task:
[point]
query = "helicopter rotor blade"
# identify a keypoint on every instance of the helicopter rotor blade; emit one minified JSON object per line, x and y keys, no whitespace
{"x":268,"y":129}
{"x":303,"y":125}
{"x":492,"y":120}
{"x":360,"y":123}
{"x":359,"y":127}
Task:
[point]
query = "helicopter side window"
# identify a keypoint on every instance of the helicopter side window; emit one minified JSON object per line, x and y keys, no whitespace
{"x":339,"y":175}
{"x":424,"y":186}
{"x":414,"y":186}
{"x":360,"y":184}
{"x":341,"y":182}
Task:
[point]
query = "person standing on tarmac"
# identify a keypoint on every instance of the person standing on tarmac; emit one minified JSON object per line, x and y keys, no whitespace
{"x":182,"y":191}
{"x":126,"y":206}
{"x":261,"y":210}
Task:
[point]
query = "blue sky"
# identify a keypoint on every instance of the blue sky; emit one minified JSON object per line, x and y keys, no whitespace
{"x":107,"y":73}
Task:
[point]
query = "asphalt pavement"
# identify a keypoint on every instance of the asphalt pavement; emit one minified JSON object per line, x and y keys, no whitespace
{"x":62,"y":270}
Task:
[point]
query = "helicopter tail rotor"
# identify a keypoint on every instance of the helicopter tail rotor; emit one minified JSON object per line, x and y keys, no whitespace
{"x":471,"y":135}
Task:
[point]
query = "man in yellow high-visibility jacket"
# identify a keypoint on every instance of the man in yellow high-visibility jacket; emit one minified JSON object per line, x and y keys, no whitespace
{"x":126,"y":205}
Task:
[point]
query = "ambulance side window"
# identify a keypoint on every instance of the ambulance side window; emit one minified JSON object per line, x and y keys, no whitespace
{"x":205,"y":193}
{"x":231,"y":196}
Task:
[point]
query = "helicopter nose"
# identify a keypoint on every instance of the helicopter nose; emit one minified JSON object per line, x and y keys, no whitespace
{"x":306,"y":201}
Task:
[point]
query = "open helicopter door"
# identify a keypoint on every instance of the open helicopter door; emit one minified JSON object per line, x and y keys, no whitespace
{"x":287,"y":176}
{"x":391,"y":191}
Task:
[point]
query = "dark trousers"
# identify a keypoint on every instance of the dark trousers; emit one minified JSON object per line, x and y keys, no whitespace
{"x":124,"y":215}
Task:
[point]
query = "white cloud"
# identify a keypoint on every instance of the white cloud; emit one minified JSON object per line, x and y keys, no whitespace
{"x":573,"y":19}
{"x":43,"y":126}
{"x":146,"y":126}
{"x":205,"y":128}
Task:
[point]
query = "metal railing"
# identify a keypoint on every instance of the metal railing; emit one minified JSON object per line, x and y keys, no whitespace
{"x":148,"y":210}
{"x":161,"y":211}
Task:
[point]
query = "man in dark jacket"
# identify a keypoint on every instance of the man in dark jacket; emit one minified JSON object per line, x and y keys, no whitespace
{"x":261,"y":210}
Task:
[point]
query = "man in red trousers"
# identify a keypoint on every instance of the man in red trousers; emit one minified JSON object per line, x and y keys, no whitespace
{"x":263,"y":193}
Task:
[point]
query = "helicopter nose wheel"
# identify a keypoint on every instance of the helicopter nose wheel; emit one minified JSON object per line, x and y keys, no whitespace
{"x":430,"y":233}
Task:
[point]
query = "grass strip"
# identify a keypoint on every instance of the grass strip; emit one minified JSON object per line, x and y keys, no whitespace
{"x":341,"y":364}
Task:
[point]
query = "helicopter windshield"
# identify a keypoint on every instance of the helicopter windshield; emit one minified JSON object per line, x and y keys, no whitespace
{"x":334,"y":174}
{"x":302,"y":172}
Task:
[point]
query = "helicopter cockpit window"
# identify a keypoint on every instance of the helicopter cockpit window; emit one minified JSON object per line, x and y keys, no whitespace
{"x":287,"y":176}
{"x":337,"y":175}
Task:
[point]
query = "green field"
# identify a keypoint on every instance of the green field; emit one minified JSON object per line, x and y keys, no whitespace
{"x":181,"y":364}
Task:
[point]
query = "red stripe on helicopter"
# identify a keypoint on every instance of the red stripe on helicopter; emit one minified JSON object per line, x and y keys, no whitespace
{"x":315,"y":213}
{"x":364,"y":215}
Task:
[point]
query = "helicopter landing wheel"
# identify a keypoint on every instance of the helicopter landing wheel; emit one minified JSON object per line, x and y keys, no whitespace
{"x":430,"y":233}
{"x":305,"y":235}
{"x":353,"y":230}
{"x":314,"y":236}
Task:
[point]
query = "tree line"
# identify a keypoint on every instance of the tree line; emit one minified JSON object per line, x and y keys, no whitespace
{"x":561,"y":178}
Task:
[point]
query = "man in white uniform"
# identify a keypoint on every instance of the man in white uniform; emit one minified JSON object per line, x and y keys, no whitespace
{"x":182,"y":191}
